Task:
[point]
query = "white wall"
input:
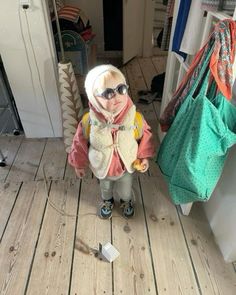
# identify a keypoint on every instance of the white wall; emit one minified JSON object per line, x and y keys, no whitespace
{"x":29,"y":59}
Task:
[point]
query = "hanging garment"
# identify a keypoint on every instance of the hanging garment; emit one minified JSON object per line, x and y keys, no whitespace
{"x":194,"y":24}
{"x":214,"y":5}
{"x":194,"y":150}
{"x":223,"y":42}
{"x":180,"y":26}
{"x":167,"y":25}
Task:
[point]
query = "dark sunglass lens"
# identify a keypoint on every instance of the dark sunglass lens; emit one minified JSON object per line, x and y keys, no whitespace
{"x":108,"y":93}
{"x":122,"y":89}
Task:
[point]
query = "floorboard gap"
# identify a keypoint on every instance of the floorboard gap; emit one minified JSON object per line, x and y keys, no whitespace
{"x":149,"y":241}
{"x":190,"y":256}
{"x":35,"y":248}
{"x":76,"y":224}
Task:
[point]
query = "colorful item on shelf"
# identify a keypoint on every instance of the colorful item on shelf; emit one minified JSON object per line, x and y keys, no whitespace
{"x":74,"y":14}
{"x":74,"y":19}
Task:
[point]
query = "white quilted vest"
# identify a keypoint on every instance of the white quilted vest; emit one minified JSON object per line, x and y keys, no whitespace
{"x":102,"y":146}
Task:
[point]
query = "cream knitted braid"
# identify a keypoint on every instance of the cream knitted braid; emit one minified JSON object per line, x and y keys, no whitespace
{"x":71,"y":104}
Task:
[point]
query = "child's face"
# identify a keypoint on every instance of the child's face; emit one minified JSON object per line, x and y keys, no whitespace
{"x":114,"y":104}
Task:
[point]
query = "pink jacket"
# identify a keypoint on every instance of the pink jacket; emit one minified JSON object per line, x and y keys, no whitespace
{"x":78,"y":157}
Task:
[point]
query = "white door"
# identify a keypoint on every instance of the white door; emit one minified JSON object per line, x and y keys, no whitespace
{"x":133,"y":20}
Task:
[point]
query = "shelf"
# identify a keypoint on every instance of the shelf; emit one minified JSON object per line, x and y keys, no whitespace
{"x":182,"y":62}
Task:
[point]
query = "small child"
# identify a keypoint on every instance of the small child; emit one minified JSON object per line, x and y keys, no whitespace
{"x":110,"y":138}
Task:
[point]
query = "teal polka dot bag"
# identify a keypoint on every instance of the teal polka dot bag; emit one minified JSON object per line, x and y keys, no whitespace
{"x":192,"y":154}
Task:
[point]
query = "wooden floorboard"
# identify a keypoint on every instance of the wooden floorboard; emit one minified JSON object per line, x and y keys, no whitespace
{"x":52,"y":262}
{"x":8,"y":195}
{"x":133,"y":273}
{"x":160,"y":66}
{"x":19,"y":240}
{"x":169,"y":249}
{"x":135,"y":79}
{"x":53,"y":160}
{"x":9,"y":146}
{"x":69,"y":172}
{"x":159,"y":63}
{"x":27,"y":160}
{"x":148,"y":69}
{"x":214,"y":275}
{"x":90,"y":275}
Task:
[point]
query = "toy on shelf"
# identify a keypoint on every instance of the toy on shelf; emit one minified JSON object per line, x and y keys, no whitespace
{"x":77,"y":50}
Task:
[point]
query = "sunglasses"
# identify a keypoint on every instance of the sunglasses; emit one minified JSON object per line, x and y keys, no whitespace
{"x":109,"y":93}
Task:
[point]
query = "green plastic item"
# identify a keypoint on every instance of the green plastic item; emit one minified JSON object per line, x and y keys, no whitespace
{"x":194,"y":150}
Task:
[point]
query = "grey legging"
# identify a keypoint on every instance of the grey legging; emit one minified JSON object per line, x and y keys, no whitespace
{"x":123,"y":186}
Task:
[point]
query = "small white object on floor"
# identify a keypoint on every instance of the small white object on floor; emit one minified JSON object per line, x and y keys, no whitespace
{"x":109,"y":252}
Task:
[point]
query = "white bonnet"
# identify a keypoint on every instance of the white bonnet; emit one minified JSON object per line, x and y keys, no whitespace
{"x":91,"y":78}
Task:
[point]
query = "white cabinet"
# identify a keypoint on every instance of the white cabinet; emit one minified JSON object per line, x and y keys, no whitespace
{"x":29,"y":59}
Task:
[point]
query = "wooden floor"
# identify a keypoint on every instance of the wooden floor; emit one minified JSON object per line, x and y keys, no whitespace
{"x":45,"y":252}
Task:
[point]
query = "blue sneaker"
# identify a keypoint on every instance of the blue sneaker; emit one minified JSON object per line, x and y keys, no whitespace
{"x":106,"y":209}
{"x":127,"y":207}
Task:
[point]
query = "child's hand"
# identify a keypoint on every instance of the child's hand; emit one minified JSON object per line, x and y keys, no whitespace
{"x":80,"y":172}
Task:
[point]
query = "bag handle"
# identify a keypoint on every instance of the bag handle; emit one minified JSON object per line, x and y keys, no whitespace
{"x":201,"y":75}
{"x":205,"y":84}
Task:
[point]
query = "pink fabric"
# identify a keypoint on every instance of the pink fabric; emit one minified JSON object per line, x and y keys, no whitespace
{"x":78,"y":157}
